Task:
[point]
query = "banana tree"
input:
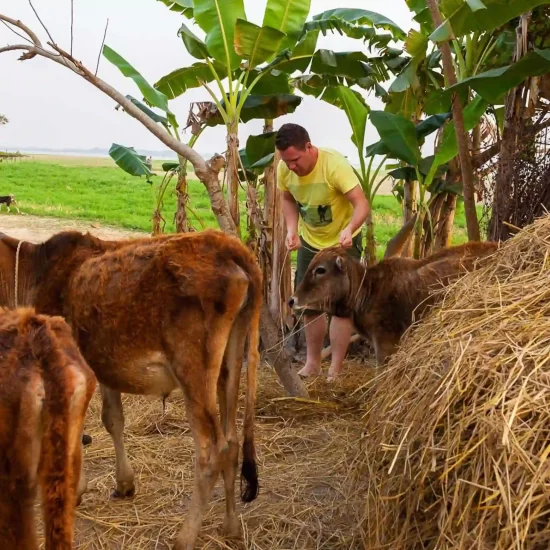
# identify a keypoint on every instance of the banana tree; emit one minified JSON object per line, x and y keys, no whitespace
{"x":401,"y":139}
{"x":241,"y":54}
{"x":481,"y":38}
{"x":243,"y":66}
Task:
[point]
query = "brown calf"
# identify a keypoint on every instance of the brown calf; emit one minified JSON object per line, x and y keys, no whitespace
{"x":151,"y":315}
{"x":45,"y":389}
{"x":384,"y":299}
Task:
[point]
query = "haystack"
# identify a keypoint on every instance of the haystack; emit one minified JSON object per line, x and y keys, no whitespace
{"x":457,"y":436}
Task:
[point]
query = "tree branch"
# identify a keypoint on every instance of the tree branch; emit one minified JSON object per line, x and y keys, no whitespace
{"x":100,"y":49}
{"x":43,"y":26}
{"x":15,"y":32}
{"x":206,"y":172}
{"x":72,"y":25}
{"x":480,"y":159}
{"x":19,"y":24}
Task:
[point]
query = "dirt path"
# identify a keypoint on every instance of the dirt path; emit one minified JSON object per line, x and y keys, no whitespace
{"x":37,"y":228}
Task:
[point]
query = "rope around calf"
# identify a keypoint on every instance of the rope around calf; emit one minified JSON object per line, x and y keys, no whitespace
{"x":17,"y":272}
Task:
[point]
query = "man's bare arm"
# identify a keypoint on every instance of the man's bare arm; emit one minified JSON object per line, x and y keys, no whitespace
{"x":361,"y":208}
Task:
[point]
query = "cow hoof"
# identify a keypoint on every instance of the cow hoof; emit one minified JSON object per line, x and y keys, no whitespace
{"x":125,"y":493}
{"x":232,"y":527}
{"x":86,"y":439}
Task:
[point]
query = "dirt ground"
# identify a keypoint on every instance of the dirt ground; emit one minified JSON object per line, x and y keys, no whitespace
{"x":37,"y":229}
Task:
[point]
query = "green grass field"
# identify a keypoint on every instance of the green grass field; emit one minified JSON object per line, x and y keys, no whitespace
{"x":109,"y":195}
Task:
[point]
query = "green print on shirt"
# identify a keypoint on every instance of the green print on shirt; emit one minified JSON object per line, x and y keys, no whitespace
{"x":316,"y":216}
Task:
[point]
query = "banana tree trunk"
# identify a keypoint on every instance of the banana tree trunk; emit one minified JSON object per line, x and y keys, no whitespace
{"x":418,"y":235}
{"x":232,"y":176}
{"x":444,"y":230}
{"x":182,"y":223}
{"x":410,"y":191}
{"x":371,"y":243}
{"x":460,"y":130}
{"x":281,"y":274}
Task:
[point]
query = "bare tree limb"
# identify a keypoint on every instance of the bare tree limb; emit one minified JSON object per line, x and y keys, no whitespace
{"x":16,"y":47}
{"x":485,"y":156}
{"x":480,"y":159}
{"x":43,"y":26}
{"x":16,"y":23}
{"x":15,"y":32}
{"x":72,"y":24}
{"x":102,"y":44}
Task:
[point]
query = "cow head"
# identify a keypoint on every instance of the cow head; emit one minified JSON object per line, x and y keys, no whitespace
{"x":326,"y":283}
{"x":333,"y":279}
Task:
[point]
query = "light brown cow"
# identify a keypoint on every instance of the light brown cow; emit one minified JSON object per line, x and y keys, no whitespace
{"x":45,"y":389}
{"x":383,"y":299}
{"x":151,"y":315}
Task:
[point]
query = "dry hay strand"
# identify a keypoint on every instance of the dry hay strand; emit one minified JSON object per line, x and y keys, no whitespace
{"x":303,"y":449}
{"x":455,"y":447}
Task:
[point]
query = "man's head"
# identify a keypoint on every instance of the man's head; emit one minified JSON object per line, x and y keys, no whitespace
{"x":295,"y":148}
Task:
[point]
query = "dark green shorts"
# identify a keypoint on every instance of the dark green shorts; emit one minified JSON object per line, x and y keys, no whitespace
{"x":306,"y":253}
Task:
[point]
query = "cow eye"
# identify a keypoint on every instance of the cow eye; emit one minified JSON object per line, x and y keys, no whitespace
{"x":319,"y":271}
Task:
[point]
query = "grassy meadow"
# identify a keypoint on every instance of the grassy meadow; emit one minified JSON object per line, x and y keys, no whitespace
{"x":93,"y":189}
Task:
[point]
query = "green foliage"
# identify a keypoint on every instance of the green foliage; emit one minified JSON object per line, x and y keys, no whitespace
{"x":185,"y":7}
{"x":289,"y":17}
{"x":356,"y":23}
{"x":152,"y":96}
{"x":449,"y":147}
{"x":493,"y":84}
{"x":128,"y":159}
{"x":195,"y":46}
{"x":398,"y":134}
{"x":259,"y":107}
{"x":112,"y":197}
{"x":217,"y":18}
{"x":179,"y":81}
{"x":260,"y":149}
{"x":464,"y":17}
{"x":256,"y":44}
{"x":150,"y":113}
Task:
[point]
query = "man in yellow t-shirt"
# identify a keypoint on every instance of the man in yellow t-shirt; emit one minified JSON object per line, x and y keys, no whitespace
{"x":323,"y":205}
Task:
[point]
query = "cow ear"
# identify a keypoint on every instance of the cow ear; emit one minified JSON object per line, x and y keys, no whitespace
{"x":340,"y":263}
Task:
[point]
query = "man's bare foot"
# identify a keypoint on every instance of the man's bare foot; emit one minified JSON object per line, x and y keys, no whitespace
{"x":310,"y":370}
{"x":333,"y":373}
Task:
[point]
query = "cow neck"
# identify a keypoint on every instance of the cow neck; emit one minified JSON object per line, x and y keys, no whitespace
{"x":357,"y":278}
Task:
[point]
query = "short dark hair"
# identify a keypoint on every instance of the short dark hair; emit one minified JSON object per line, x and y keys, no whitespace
{"x":291,"y":135}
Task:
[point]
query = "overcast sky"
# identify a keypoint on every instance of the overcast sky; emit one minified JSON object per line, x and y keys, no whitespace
{"x":49,"y":106}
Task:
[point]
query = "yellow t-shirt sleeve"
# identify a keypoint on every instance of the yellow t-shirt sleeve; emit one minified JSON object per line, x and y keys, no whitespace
{"x":281,"y":176}
{"x":342,"y":175}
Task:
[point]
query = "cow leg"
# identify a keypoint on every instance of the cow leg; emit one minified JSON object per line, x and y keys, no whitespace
{"x":199,"y":383}
{"x":112,"y":416}
{"x":61,"y":468}
{"x":228,"y":391}
{"x":385,"y":344}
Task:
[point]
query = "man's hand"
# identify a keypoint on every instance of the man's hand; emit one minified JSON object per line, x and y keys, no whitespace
{"x":346,"y":237}
{"x":293,"y":241}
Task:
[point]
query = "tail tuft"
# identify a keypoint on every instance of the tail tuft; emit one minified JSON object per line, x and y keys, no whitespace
{"x":249,"y":473}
